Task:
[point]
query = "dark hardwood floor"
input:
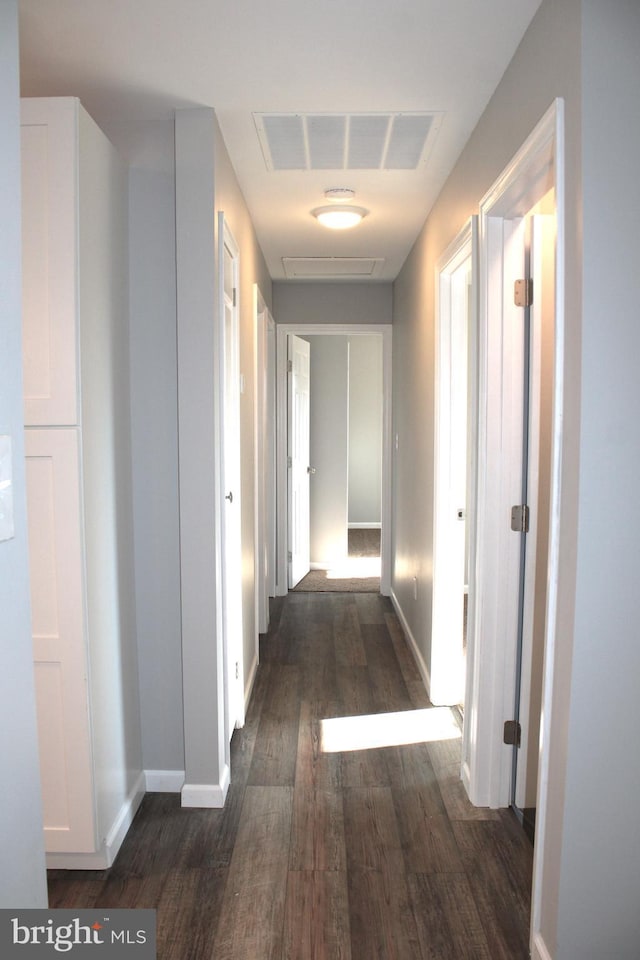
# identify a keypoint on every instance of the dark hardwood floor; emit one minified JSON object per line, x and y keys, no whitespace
{"x":359,"y":855}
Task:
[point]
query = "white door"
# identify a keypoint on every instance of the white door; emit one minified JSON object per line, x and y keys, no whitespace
{"x":450,"y":494}
{"x":298,"y":462}
{"x":232,"y":531}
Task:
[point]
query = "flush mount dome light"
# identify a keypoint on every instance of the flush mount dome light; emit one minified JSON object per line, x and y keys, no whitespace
{"x":339,"y":217}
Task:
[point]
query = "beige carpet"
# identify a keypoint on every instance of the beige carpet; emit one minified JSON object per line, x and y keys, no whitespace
{"x":358,"y":573}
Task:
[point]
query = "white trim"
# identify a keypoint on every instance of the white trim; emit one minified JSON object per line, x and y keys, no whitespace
{"x":554,"y":534}
{"x":448,"y":551}
{"x":411,"y":641}
{"x":539,"y":950}
{"x":232,"y":644}
{"x":336,"y":329}
{"x":206,"y":795}
{"x":251,"y":677}
{"x":164,"y":781}
{"x":103,"y":858}
{"x":374,"y":525}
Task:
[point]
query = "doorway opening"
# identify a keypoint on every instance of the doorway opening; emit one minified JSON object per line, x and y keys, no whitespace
{"x":515,"y":552}
{"x":337,"y":484}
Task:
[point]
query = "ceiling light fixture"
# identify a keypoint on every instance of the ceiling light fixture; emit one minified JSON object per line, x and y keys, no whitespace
{"x":339,"y":218}
{"x":339,"y":215}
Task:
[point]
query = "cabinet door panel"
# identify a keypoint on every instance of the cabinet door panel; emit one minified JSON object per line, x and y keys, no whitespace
{"x":49,"y":260}
{"x":60,"y":660}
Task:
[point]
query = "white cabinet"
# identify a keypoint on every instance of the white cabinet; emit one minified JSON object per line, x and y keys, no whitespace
{"x":75,"y":347}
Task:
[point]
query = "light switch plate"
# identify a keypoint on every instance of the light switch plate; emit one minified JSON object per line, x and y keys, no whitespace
{"x":6,"y":489}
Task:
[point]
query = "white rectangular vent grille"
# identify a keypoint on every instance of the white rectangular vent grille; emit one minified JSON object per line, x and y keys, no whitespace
{"x":333,"y":268}
{"x":368,"y":141}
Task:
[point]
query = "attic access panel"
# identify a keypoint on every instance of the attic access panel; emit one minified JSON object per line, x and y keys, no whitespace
{"x":332,"y":268}
{"x":350,"y":141}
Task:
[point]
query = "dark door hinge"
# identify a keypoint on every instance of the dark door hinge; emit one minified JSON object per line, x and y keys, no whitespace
{"x":520,"y":518}
{"x":512,"y":733}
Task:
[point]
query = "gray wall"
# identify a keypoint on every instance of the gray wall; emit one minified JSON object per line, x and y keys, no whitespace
{"x":329,"y":447}
{"x":600,"y":879}
{"x":22,"y":865}
{"x":365,"y":429}
{"x":298,"y":302}
{"x":154,"y":428}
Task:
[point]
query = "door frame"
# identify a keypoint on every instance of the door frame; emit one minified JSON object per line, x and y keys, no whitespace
{"x":331,"y":329}
{"x":447,"y":618}
{"x":264,"y":464}
{"x":486,"y":768}
{"x":232,"y":645}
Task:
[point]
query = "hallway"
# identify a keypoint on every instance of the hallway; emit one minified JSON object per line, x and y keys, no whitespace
{"x":323,"y":855}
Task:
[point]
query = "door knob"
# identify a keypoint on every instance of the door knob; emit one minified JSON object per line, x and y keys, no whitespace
{"x":229,"y":497}
{"x":311,"y":470}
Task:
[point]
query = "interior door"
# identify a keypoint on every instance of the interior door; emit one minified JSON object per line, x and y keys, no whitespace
{"x":232,"y":531}
{"x":298,"y":458}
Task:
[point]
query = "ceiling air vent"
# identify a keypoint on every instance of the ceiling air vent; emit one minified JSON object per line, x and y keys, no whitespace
{"x":358,"y":141}
{"x":331,"y":268}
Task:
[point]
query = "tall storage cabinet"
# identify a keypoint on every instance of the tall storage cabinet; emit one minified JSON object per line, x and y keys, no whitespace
{"x":76,"y":383}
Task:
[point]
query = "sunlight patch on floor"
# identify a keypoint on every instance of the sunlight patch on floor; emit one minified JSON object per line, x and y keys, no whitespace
{"x":372,"y":731}
{"x":355,"y":568}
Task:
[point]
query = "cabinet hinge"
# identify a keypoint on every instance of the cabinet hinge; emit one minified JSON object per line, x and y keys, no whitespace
{"x":523,"y":293}
{"x":512,"y":733}
{"x":520,"y":518}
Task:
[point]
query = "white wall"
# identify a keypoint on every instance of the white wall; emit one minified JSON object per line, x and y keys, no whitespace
{"x":22,"y":864}
{"x":300,"y":302}
{"x":329,"y":448}
{"x":365,"y":429}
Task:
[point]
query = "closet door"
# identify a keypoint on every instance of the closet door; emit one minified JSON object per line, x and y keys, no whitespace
{"x":49,"y":260}
{"x":59,"y":651}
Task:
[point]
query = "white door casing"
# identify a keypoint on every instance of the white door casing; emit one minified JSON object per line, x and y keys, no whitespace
{"x":299,"y":353}
{"x":230,"y":485}
{"x":454,"y":273}
{"x":264,"y":444}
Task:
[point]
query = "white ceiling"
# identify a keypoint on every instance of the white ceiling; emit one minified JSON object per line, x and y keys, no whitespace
{"x":130,"y":61}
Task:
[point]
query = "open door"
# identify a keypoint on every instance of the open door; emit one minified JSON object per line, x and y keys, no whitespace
{"x":298,"y":459}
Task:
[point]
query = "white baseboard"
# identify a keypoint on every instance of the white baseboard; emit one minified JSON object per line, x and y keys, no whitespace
{"x":164,"y":781}
{"x":411,"y":640}
{"x":539,"y":949}
{"x":248,"y":687}
{"x":103,"y":858}
{"x":206,"y":794}
{"x":374,"y":525}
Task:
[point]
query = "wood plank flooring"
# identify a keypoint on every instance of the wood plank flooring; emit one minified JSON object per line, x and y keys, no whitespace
{"x":369,"y":854}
